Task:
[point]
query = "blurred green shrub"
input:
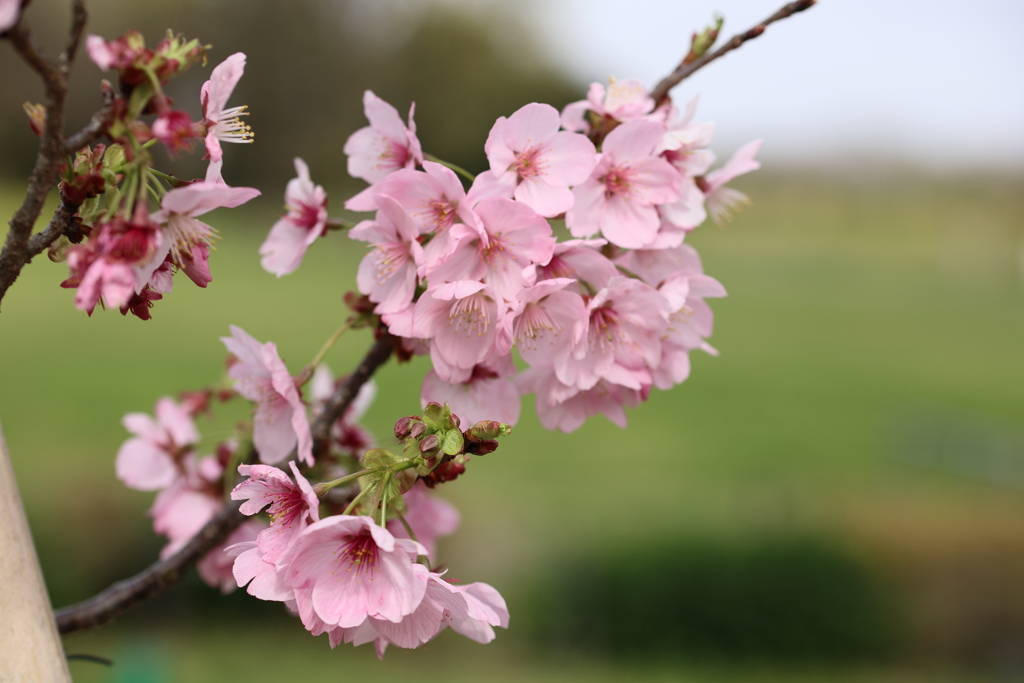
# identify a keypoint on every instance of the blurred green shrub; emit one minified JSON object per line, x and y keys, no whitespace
{"x":782,"y":598}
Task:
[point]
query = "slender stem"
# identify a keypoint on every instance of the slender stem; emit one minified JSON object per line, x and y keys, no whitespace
{"x":687,"y":69}
{"x":355,"y":501}
{"x":328,"y":485}
{"x":408,"y":528}
{"x":458,"y":169}
{"x":307,"y":372}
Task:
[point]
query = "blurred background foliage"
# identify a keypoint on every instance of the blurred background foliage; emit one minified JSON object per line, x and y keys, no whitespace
{"x":838,"y":496}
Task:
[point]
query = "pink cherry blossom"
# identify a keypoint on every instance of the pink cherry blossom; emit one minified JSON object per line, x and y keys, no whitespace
{"x":679,"y":276}
{"x":721,"y":200}
{"x":345,"y":569}
{"x":150,"y":461}
{"x":184,"y":507}
{"x":10,"y":11}
{"x":306,"y":220}
{"x":619,"y":340}
{"x":387,"y":274}
{"x":579,"y":260}
{"x":429,"y":516}
{"x":385,"y":146}
{"x":435,"y":200}
{"x":514,"y":237}
{"x":566,"y":408}
{"x":223,"y":124}
{"x":175,"y":129}
{"x":472,"y":610}
{"x":621,"y":100}
{"x":461,"y":320}
{"x":545,"y":322}
{"x":621,"y":196}
{"x":292,"y":505}
{"x":539,"y":162}
{"x":260,"y":375}
{"x":117,"y":261}
{"x":487,"y":394}
{"x":216,"y":567}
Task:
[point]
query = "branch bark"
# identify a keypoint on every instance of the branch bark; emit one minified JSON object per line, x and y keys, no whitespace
{"x":684,"y":70}
{"x":163,"y":574}
{"x":21,"y":246}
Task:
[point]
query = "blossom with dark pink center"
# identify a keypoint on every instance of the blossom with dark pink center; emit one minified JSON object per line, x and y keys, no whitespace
{"x":619,"y":338}
{"x":344,"y":569}
{"x":292,"y":504}
{"x":620,"y":198}
{"x":514,"y":237}
{"x":280,"y":423}
{"x":538,"y":162}
{"x":387,"y":274}
{"x":546,"y":321}
{"x":385,"y":146}
{"x":306,"y":220}
{"x":461,"y":320}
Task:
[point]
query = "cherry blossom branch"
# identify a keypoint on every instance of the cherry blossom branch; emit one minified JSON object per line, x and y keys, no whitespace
{"x":152,"y":581}
{"x":21,"y":246}
{"x":687,"y":67}
{"x":162,"y":575}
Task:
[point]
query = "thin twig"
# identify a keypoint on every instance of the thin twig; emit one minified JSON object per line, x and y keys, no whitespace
{"x":92,"y":132}
{"x":684,"y":70}
{"x":20,"y":247}
{"x":162,"y":575}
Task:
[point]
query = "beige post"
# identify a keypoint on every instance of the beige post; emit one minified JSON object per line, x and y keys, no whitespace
{"x":30,"y":648}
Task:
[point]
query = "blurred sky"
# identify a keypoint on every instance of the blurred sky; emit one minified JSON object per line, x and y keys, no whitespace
{"x":930,"y":82}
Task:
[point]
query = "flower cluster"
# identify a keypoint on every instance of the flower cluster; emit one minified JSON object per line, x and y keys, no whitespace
{"x":133,"y":250}
{"x":466,"y":274}
{"x":362,"y":572}
{"x":163,"y":457}
{"x":348,"y":576}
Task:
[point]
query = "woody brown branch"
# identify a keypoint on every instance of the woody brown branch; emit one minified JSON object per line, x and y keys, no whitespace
{"x":162,"y":575}
{"x":688,"y":68}
{"x":20,"y":246}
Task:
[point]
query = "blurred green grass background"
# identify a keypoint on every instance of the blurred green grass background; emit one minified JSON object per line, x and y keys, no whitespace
{"x":867,"y":399}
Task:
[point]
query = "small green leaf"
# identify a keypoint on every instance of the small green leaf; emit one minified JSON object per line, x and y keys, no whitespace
{"x":379,"y":457}
{"x":114,"y":158}
{"x":452,"y":442}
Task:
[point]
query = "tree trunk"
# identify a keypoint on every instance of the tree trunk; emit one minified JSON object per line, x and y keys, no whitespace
{"x":30,"y":648}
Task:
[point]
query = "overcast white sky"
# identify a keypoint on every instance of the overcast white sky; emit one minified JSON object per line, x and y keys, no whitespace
{"x":933,"y":82}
